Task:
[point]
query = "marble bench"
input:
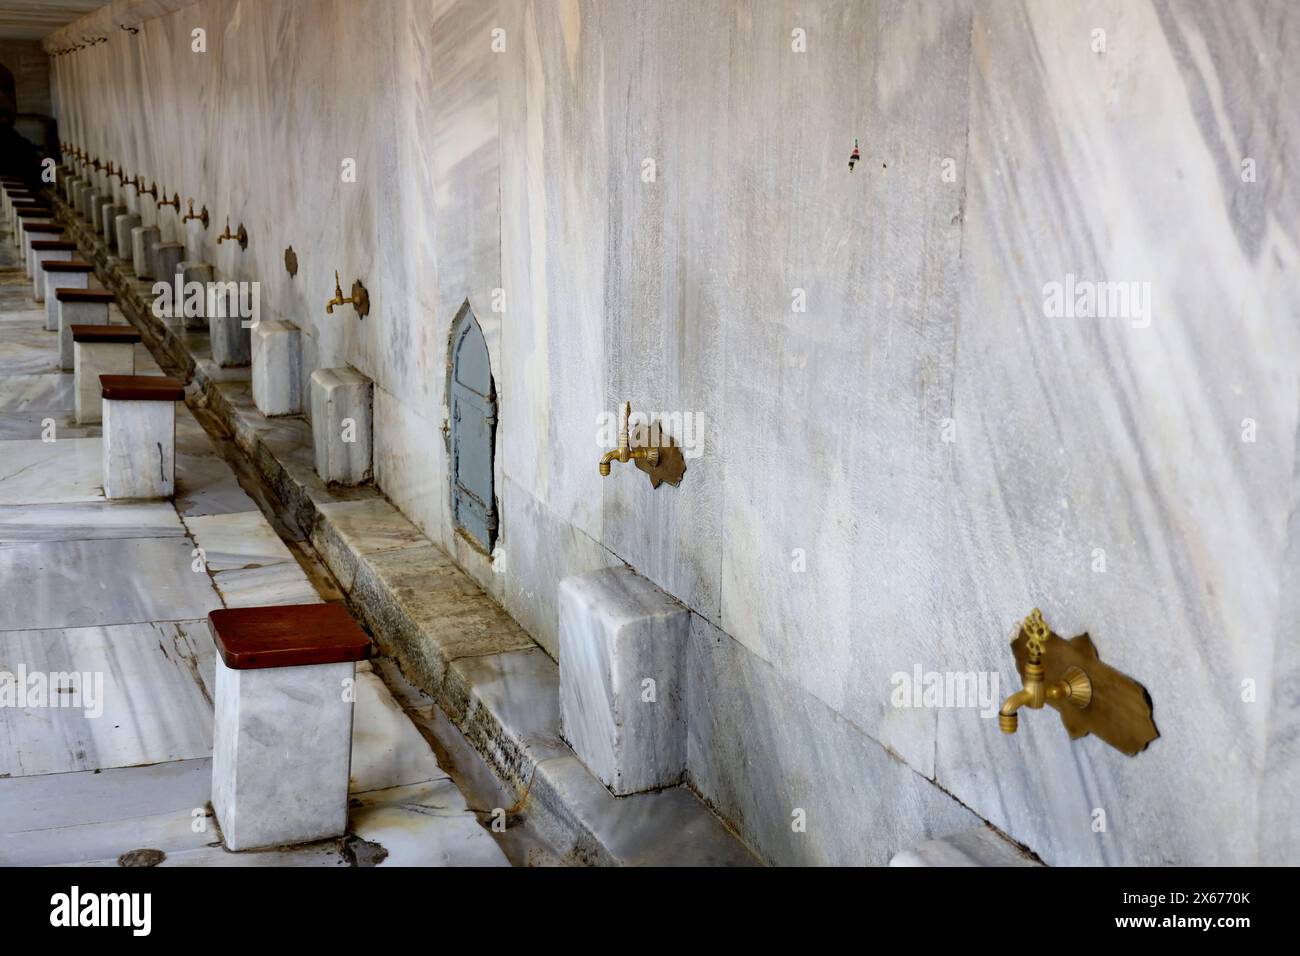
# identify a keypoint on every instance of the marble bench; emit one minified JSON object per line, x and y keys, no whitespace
{"x":623,"y":678}
{"x":139,"y":439}
{"x":61,"y":274}
{"x":15,"y":202}
{"x":341,"y":425}
{"x":99,"y":350}
{"x":78,"y":307}
{"x":282,"y":730}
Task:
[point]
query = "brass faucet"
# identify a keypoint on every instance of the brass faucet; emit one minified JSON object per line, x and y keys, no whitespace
{"x":200,"y":216}
{"x":151,"y":191}
{"x":240,"y":237}
{"x":174,"y":202}
{"x":359,"y":300}
{"x":119,"y":173}
{"x":625,"y":453}
{"x":1075,"y":687}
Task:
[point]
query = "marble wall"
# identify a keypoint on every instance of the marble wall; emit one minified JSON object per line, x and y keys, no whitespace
{"x":902,"y":451}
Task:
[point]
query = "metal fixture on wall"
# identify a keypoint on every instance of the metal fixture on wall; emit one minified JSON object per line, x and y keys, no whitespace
{"x":174,"y":202}
{"x":661,"y":462}
{"x":291,"y":263}
{"x":151,"y":191}
{"x":240,"y":237}
{"x":1090,"y":696}
{"x":359,"y":300}
{"x":191,"y":214}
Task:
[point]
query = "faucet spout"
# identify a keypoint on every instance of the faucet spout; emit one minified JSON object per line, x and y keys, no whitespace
{"x":624,"y":452}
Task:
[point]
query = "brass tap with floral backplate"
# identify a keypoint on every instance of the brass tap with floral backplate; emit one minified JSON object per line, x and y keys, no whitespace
{"x":1090,"y":696}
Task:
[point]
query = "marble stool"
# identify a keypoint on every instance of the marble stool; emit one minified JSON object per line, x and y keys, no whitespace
{"x":140,"y":435}
{"x":620,"y":638}
{"x":26,"y":208}
{"x":143,"y":239}
{"x":43,"y":251}
{"x":62,"y":274}
{"x":78,"y":307}
{"x":37,"y":232}
{"x":340,"y":425}
{"x":195,"y":271}
{"x":165,"y":259}
{"x":282,"y":730}
{"x":99,"y":350}
{"x":124,"y":225}
{"x":23,"y":217}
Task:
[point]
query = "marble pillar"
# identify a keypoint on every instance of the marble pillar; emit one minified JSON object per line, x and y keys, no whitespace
{"x":277,"y":367}
{"x":139,"y":441}
{"x":143,"y":239}
{"x":341,"y":400}
{"x":78,"y":307}
{"x":125,"y":225}
{"x":623,"y":678}
{"x":92,"y":358}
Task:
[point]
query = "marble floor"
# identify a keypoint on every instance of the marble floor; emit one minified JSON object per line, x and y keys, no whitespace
{"x":120,"y":591}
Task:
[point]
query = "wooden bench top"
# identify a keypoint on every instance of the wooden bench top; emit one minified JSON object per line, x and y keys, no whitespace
{"x":48,"y":228}
{"x":67,"y":265}
{"x":83,"y":295}
{"x":248,"y":638}
{"x":53,"y":245}
{"x":141,"y":388}
{"x":104,"y":333}
{"x":23,"y":211}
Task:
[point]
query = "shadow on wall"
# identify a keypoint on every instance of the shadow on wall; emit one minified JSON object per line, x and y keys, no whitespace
{"x":25,"y":138}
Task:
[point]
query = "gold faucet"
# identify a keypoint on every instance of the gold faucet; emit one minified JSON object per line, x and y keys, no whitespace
{"x":201,"y":217}
{"x":1075,"y":687}
{"x":359,"y":299}
{"x":625,"y":453}
{"x":240,"y":237}
{"x":174,"y":202}
{"x":152,"y":190}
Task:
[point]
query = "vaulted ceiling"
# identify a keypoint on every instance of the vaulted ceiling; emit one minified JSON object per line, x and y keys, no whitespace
{"x":33,"y":19}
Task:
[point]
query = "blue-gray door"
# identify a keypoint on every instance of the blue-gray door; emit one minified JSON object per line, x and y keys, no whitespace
{"x":473,"y":434}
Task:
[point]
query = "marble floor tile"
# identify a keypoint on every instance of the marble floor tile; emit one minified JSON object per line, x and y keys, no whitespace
{"x":387,"y":749}
{"x":424,"y":825}
{"x":152,"y":707}
{"x":241,"y":540}
{"x":82,"y":521}
{"x":273,"y":584}
{"x":21,"y":392}
{"x":67,"y":470}
{"x":32,"y":424}
{"x":205,"y":485}
{"x":99,"y":582}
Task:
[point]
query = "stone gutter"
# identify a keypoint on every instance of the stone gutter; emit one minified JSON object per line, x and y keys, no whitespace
{"x":484,"y":672}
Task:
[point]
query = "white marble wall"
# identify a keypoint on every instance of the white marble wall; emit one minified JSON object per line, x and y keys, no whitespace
{"x":825,"y":430}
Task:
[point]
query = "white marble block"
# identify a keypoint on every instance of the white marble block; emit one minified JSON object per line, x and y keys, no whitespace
{"x":109,"y":226}
{"x":78,"y":307}
{"x":277,"y":367}
{"x":83,"y":199}
{"x":282,"y":730}
{"x":124,"y":225}
{"x":139,"y":438}
{"x":70,"y":188}
{"x":57,"y":278}
{"x":143,"y":239}
{"x":167,"y":258}
{"x":102,"y":205}
{"x":341,"y":401}
{"x":90,"y":360}
{"x":230,"y":339}
{"x":193,"y":271}
{"x":622,"y":678}
{"x":39,"y":257}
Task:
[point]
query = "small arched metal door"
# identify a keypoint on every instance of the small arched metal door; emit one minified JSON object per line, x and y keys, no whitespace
{"x":473,"y":434}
